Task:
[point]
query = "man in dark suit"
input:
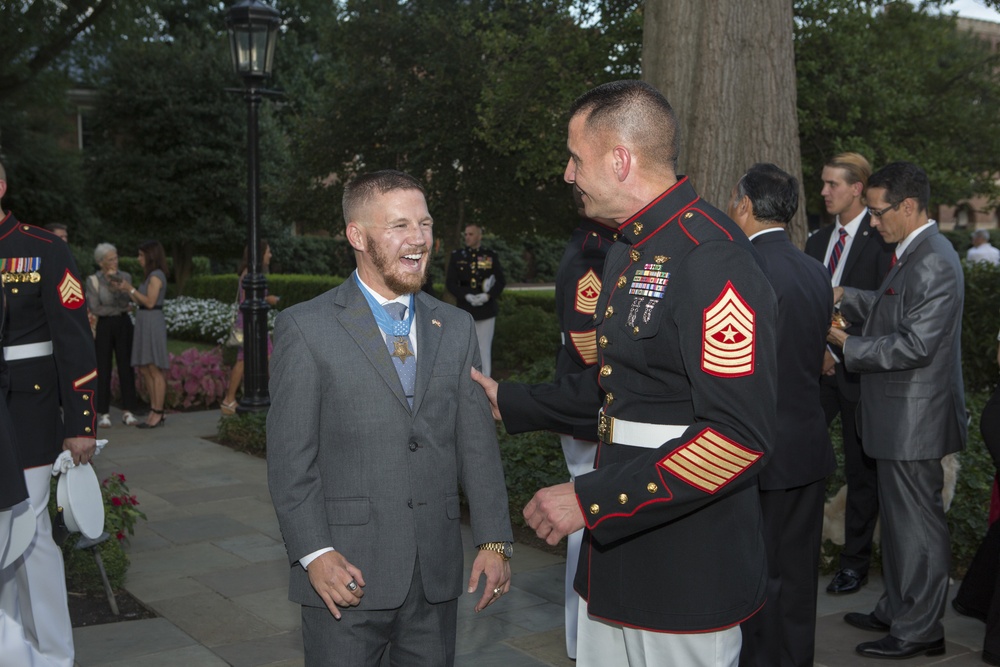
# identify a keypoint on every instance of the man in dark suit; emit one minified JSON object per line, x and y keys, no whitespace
{"x":373,"y":423}
{"x":912,"y":408}
{"x":793,"y":483}
{"x":855,"y":256}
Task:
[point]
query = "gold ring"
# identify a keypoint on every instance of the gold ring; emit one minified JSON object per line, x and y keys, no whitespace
{"x":496,"y":592}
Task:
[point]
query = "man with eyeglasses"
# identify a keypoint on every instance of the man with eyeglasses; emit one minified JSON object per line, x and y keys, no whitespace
{"x":912,"y":408}
{"x":855,"y":256}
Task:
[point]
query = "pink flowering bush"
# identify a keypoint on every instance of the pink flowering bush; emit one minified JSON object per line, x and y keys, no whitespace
{"x":195,"y":379}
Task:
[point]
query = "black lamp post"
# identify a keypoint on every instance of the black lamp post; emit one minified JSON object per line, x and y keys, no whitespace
{"x":253,"y":29}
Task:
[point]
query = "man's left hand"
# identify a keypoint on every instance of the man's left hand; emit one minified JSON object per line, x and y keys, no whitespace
{"x":836,"y":336}
{"x":554,"y":512}
{"x":497,"y":571}
{"x":82,"y":449}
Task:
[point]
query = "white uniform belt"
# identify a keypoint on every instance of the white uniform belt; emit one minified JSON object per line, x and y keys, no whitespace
{"x":614,"y":431}
{"x":27,"y":351}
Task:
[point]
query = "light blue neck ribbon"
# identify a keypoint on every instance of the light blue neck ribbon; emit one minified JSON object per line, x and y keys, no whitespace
{"x":384,"y":320}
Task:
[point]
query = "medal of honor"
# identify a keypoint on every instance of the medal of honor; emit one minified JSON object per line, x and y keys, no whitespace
{"x":401,"y":348}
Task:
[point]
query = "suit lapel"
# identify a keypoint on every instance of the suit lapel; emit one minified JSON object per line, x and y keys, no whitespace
{"x":901,"y":261}
{"x":357,"y":319}
{"x":429,"y":332}
{"x":858,"y":244}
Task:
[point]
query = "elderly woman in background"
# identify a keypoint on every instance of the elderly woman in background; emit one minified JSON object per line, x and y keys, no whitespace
{"x":113,"y":333}
{"x":149,"y":347}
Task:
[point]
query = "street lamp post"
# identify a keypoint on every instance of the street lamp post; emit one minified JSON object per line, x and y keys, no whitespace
{"x":253,"y":29}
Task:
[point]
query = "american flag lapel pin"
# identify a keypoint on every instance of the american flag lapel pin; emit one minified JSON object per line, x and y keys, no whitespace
{"x":436,"y":323}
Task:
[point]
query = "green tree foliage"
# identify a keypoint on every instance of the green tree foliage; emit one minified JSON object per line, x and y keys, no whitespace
{"x":897,"y":83}
{"x":467,"y":96}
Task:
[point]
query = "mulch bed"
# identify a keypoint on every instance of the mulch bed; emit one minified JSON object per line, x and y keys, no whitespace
{"x":87,"y":610}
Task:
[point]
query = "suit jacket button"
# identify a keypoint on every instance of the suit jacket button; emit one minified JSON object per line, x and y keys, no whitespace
{"x":413,"y":446}
{"x":409,"y":503}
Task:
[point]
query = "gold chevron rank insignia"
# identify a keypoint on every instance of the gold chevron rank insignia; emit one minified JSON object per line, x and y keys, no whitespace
{"x":70,"y":291}
{"x":585,"y":343}
{"x":709,"y":461}
{"x":588,"y":288}
{"x":727,"y":348}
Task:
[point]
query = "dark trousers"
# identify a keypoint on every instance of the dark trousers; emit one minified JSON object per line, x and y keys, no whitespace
{"x":861,"y":513}
{"x":418,"y":634}
{"x":980,"y":589}
{"x":783,"y":632}
{"x":114,"y":336}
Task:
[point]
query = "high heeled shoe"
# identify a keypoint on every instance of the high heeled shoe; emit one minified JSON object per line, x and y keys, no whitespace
{"x":163,"y":420}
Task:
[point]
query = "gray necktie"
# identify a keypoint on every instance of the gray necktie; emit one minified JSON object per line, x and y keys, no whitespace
{"x":402,"y":358}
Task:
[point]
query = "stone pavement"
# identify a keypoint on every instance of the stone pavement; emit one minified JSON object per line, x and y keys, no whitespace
{"x":210,"y":562}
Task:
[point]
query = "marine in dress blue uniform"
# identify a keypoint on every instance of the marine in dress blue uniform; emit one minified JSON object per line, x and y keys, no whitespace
{"x":50,"y":354}
{"x":475,"y":278}
{"x":578,"y":284}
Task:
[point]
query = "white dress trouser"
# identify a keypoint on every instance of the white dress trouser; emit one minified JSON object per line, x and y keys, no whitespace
{"x":601,"y":644}
{"x":579,"y":461}
{"x":484,"y":332}
{"x":33,"y":589}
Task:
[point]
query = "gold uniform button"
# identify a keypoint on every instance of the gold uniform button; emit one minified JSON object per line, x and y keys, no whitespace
{"x":87,"y":430}
{"x":688,"y":215}
{"x":635,"y":330}
{"x":86,"y":413}
{"x":38,"y":388}
{"x":25,"y":228}
{"x":610,"y":398}
{"x":614,"y":237}
{"x":605,"y":370}
{"x":622,"y":280}
{"x":637,"y":228}
{"x":86,"y":397}
{"x":622,"y":499}
{"x":603,"y":342}
{"x":609,"y":311}
{"x":652,"y":488}
{"x":634,"y":254}
{"x":595,"y":508}
{"x":13,"y":290}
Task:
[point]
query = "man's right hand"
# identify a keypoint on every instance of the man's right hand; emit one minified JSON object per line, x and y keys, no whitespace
{"x":489,"y":385}
{"x":330,"y":575}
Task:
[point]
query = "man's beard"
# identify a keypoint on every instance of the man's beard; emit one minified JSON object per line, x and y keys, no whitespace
{"x":400,"y":284}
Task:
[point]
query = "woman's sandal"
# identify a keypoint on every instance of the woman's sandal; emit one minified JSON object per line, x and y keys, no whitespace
{"x":228,"y":408}
{"x":162,"y":422}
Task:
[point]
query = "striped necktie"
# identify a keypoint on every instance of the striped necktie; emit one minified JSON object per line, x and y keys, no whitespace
{"x":838,"y":250}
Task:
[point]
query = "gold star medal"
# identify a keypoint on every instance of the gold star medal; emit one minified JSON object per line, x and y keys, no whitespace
{"x":401,"y":348}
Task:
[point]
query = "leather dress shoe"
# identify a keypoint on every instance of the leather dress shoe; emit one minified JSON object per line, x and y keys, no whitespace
{"x":965,"y":611}
{"x":891,"y":648}
{"x":847,"y":581}
{"x":866,"y":622}
{"x":991,"y":658}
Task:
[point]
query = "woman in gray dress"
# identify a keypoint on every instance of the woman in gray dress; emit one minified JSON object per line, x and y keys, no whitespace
{"x":149,"y":347}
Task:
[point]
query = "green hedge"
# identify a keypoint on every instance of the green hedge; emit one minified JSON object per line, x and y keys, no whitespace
{"x":292,"y":288}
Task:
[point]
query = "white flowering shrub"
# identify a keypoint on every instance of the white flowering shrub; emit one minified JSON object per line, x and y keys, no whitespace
{"x":201,"y":320}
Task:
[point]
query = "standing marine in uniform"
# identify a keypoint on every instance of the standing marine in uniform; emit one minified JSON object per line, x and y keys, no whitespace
{"x":673,"y":557}
{"x":475,"y":279}
{"x":50,"y":355}
{"x":578,"y":283}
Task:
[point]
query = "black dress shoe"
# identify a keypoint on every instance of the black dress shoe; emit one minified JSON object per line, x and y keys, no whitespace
{"x":866,"y":622}
{"x":991,"y":658}
{"x":847,"y":581}
{"x":890,"y":648}
{"x":965,"y":611}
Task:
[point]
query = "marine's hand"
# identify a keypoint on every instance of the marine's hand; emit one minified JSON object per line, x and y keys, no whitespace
{"x":829,"y":363}
{"x":554,"y":512}
{"x":497,"y":572}
{"x":331,"y":576}
{"x":489,"y":385}
{"x":82,"y":449}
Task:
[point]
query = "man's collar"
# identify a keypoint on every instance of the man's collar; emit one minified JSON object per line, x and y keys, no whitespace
{"x":852,"y":226}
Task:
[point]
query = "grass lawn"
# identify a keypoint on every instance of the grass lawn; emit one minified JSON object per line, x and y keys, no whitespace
{"x":175,"y":346}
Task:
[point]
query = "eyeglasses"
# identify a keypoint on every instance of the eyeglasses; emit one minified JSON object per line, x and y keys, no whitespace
{"x":878,"y":214}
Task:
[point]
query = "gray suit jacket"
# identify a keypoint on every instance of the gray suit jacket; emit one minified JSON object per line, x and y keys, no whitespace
{"x":352,"y":467}
{"x":909,"y":354}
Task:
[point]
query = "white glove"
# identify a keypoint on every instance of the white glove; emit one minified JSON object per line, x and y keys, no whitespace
{"x":483,"y":298}
{"x":65,"y":459}
{"x":489,"y":283}
{"x":478,"y":299}
{"x":471,"y":298}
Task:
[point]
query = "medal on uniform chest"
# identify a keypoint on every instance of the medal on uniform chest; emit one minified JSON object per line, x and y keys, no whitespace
{"x":401,"y":348}
{"x":473,"y":267}
{"x":21,"y":269}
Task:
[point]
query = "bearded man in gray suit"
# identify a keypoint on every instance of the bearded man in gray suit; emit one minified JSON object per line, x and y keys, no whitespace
{"x":912,"y":408}
{"x":374,"y":421}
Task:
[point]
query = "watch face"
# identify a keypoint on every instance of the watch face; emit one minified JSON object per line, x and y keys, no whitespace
{"x":508,"y":550}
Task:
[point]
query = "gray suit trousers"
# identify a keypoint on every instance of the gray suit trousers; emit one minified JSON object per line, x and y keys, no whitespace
{"x":916,"y":552}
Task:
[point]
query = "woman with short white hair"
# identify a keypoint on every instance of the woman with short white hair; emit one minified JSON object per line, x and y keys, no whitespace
{"x":113,"y":334}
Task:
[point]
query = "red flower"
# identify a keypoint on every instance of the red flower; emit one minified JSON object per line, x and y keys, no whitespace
{"x":121,"y":477}
{"x":120,"y":536}
{"x":116,"y":501}
{"x":133,"y":500}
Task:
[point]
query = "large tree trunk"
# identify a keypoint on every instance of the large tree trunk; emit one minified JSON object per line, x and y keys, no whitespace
{"x":728,"y":69}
